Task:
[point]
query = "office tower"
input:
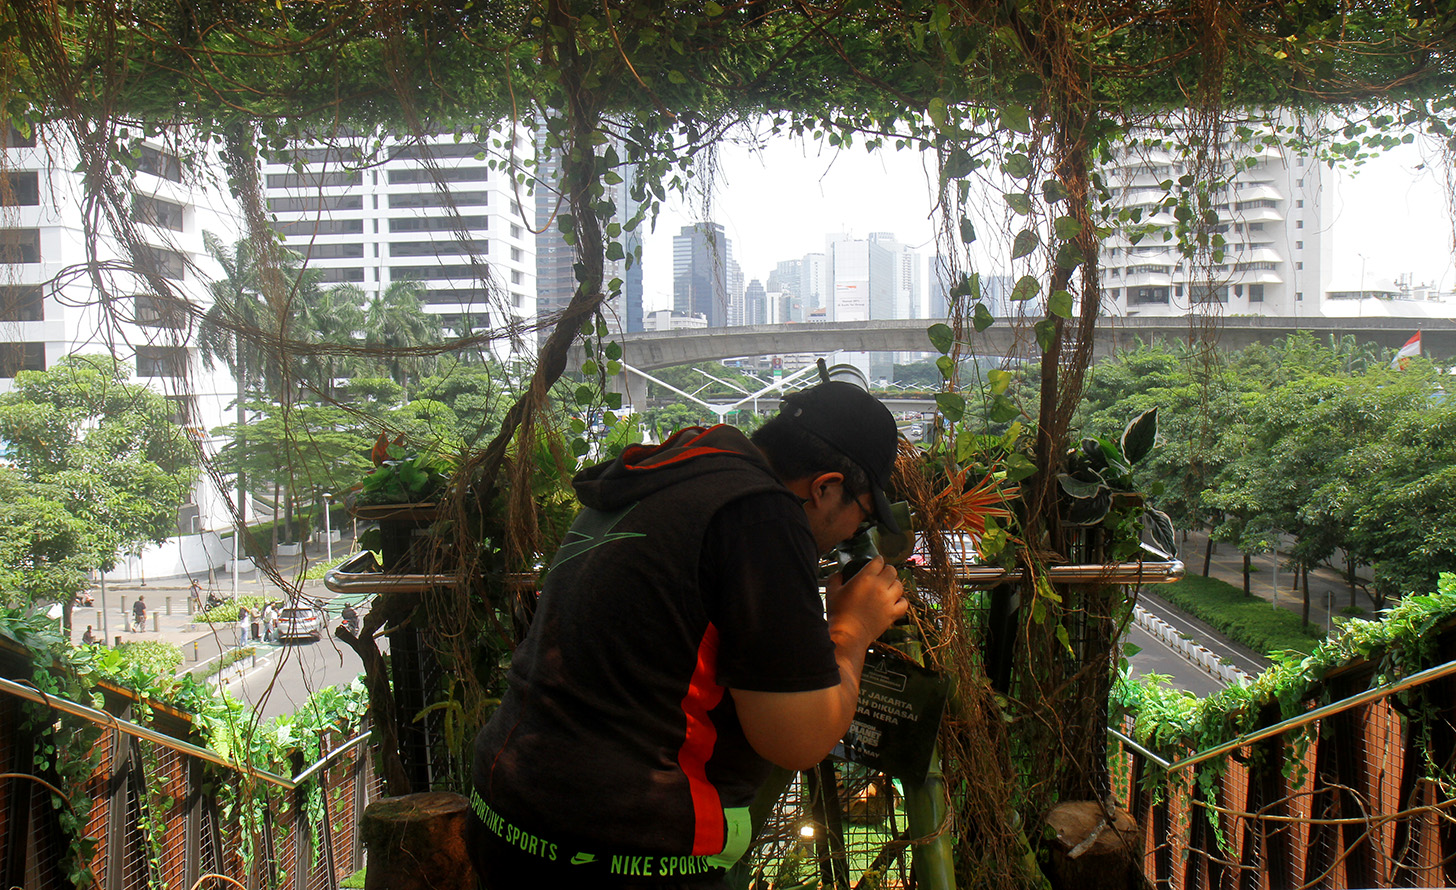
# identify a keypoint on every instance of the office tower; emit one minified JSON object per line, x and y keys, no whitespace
{"x":859,"y":277}
{"x":737,"y":305}
{"x":811,"y":287}
{"x":701,"y":258}
{"x":1275,"y":225}
{"x":51,"y":307}
{"x":755,"y":304}
{"x":555,"y":277}
{"x":430,"y":210}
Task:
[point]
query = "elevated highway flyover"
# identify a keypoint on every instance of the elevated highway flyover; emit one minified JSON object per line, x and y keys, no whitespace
{"x":649,"y":351}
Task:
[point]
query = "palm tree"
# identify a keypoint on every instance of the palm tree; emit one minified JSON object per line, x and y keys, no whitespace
{"x":395,"y":322}
{"x":331,"y":317}
{"x":248,"y":329}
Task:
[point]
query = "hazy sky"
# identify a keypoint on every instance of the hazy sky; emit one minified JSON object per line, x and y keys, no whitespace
{"x":778,"y":203}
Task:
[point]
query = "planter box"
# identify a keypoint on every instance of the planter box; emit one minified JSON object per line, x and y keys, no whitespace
{"x":245,"y":566}
{"x":290,"y":549}
{"x":404,"y":531}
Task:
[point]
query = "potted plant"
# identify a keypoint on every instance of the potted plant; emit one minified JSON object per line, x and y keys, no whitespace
{"x":1098,"y":493}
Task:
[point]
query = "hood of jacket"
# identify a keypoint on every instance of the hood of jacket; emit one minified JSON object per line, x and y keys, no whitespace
{"x":643,"y":469}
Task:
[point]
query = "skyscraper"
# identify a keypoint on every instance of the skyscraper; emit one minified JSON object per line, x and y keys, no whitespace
{"x":430,"y":210}
{"x":701,"y":258}
{"x":755,"y":303}
{"x":555,"y":275}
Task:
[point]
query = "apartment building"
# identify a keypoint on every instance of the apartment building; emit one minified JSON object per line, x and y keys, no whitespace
{"x":1271,"y":214}
{"x":444,"y":213}
{"x":55,"y":303}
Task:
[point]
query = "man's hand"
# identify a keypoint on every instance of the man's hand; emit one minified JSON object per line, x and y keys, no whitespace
{"x":864,"y":607}
{"x":798,"y":729}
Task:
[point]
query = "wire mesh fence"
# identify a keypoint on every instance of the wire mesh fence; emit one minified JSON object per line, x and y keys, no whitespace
{"x":153,"y":816}
{"x":1355,"y":799}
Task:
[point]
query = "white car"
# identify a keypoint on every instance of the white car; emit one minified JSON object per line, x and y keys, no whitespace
{"x":300,"y":623}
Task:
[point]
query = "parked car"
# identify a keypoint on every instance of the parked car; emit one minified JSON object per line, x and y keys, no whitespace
{"x":300,"y":623}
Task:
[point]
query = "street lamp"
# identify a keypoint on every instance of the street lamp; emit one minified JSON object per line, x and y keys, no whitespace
{"x":1360,"y":306}
{"x":328,"y":527}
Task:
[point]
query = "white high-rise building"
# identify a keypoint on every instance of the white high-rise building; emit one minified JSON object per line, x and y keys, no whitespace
{"x":430,"y":210}
{"x":52,"y":307}
{"x":1271,"y":215}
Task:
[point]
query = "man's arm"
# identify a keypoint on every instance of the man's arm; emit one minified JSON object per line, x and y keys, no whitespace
{"x":796,"y":730}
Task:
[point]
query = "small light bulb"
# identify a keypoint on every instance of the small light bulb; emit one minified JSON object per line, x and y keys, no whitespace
{"x":806,"y":831}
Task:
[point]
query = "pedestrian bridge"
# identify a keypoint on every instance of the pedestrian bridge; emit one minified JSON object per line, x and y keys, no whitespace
{"x":1013,"y":337}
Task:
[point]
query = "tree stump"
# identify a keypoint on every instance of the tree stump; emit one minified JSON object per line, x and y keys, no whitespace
{"x":417,"y":842}
{"x":1092,"y":851}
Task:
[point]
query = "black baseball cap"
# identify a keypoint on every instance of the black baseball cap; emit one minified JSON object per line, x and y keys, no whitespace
{"x":858,"y":426}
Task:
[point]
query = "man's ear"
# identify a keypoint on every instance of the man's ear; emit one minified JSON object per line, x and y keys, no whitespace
{"x":819,"y":488}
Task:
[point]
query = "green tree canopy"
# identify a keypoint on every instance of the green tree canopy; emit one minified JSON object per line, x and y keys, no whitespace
{"x":105,"y":451}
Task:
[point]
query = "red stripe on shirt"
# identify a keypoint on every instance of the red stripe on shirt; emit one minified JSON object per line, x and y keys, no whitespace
{"x":703,"y":695}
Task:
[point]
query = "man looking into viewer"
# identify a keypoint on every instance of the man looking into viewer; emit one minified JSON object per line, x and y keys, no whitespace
{"x":680,"y":647}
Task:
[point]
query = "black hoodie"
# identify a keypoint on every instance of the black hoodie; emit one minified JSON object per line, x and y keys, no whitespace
{"x":691,"y":570}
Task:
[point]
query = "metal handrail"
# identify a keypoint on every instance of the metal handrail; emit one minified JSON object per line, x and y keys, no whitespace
{"x":30,"y":693}
{"x":346,"y":577}
{"x":1161,"y":572}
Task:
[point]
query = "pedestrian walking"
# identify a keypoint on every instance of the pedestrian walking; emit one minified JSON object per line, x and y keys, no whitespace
{"x":270,"y":623}
{"x":196,"y":594}
{"x":139,"y":614}
{"x":244,"y":620}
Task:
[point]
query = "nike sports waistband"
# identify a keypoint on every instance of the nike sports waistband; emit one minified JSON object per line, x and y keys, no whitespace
{"x":595,"y":862}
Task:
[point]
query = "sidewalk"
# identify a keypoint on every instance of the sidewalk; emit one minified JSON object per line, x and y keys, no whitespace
{"x":1329,"y":592}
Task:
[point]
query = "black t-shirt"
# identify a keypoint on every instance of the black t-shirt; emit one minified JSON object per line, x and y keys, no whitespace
{"x":618,"y":732}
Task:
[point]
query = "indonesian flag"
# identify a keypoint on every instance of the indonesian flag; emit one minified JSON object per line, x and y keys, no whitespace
{"x":1411,"y":348}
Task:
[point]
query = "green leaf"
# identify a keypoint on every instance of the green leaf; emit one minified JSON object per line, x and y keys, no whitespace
{"x":1067,"y":227}
{"x":951,"y":404}
{"x":615,"y":251}
{"x":958,"y":164}
{"x":614,"y":400}
{"x":579,"y":447}
{"x":968,"y":230}
{"x":936,"y":110}
{"x":1160,"y":528}
{"x":946,"y":366}
{"x":1060,"y":304}
{"x":677,"y":77}
{"x":1017,"y":166}
{"x":1003,"y":410}
{"x":713,"y":9}
{"x":1019,"y":467}
{"x":999,"y":380}
{"x":589,"y":368}
{"x":941,"y":337}
{"x":1069,"y":255}
{"x":1026,"y":287}
{"x":584,"y":394}
{"x":613,"y":368}
{"x":1016,"y":119}
{"x":1046,"y":332}
{"x":1019,"y":203}
{"x":983,"y":318}
{"x":614,"y":350}
{"x":1140,"y":435}
{"x":1079,"y":488}
{"x":1026,"y":242}
{"x":1053,"y":191}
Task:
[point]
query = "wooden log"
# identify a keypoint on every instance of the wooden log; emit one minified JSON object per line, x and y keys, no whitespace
{"x":417,"y":842}
{"x":1094,"y":848}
